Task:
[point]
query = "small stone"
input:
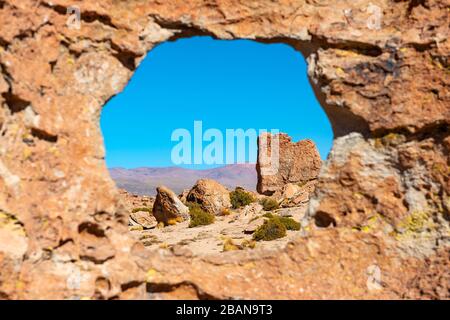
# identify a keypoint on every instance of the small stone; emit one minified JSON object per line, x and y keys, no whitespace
{"x":144,"y":219}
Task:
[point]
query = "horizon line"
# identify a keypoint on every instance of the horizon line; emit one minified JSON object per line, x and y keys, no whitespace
{"x":181,"y":167}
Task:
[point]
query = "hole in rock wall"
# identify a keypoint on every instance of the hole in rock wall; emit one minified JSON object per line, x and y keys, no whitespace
{"x":181,"y":117}
{"x":222,"y":84}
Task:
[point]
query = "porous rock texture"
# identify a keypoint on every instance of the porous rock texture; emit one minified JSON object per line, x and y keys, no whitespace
{"x":211,"y":195}
{"x":385,"y":89}
{"x":281,"y":161}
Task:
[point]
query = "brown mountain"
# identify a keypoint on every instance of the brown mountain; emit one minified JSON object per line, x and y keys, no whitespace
{"x":144,"y":180}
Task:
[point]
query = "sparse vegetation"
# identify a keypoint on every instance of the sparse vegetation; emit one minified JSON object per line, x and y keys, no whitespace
{"x":172,"y":222}
{"x":229,"y":245}
{"x":271,"y":229}
{"x":225,"y":212}
{"x":290,"y":223}
{"x":269,"y":204}
{"x":251,"y":244}
{"x":199,"y":217}
{"x":191,"y":204}
{"x":275,"y":227}
{"x":136,"y":228}
{"x":160,"y":225}
{"x":240,"y":198}
{"x":146,"y":209}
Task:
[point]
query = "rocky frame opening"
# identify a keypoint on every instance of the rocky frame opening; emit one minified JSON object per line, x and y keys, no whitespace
{"x":237,"y":215}
{"x":385,"y":184}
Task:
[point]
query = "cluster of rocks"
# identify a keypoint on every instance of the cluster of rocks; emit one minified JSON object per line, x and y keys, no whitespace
{"x":168,"y":208}
{"x":288,"y":191}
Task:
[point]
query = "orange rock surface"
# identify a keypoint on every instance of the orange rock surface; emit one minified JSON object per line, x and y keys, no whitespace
{"x":380,"y":70}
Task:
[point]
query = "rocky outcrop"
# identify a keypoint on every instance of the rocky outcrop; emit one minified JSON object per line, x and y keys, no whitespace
{"x":211,"y":195}
{"x":390,"y":184}
{"x":344,"y":263}
{"x":281,"y":161}
{"x":380,"y":71}
{"x":168,"y":208}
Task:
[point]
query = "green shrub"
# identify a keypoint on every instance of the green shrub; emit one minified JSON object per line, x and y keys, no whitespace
{"x":275,"y":227}
{"x":290,"y":223}
{"x":240,"y":198}
{"x":268,"y":215}
{"x":147,"y":209}
{"x":191,"y":205}
{"x":271,"y":229}
{"x":199,"y":217}
{"x":269,"y":204}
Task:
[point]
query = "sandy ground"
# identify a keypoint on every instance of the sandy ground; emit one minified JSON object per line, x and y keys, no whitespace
{"x":210,"y":239}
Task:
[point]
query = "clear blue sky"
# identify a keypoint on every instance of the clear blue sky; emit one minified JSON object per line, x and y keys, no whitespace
{"x":225,"y":84}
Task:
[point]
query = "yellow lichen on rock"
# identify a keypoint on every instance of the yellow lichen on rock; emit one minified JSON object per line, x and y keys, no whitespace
{"x":230,"y":245}
{"x":415,"y":223}
{"x":9,"y":222}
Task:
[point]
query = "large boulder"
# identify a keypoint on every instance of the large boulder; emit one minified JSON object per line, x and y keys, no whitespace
{"x":211,"y":195}
{"x":168,"y":207}
{"x":290,"y":162}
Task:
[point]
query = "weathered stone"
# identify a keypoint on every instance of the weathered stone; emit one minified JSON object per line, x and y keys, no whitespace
{"x":293,"y":195}
{"x":433,"y":282}
{"x":144,"y":219}
{"x":254,"y":224}
{"x":211,"y":195}
{"x":183,"y":195}
{"x":373,"y":81}
{"x":341,"y":260}
{"x":168,"y":208}
{"x":282,"y":162}
{"x":248,"y":212}
{"x":371,"y":180}
{"x":290,"y":190}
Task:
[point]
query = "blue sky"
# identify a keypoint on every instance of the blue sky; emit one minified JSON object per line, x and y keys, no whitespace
{"x":224,"y":84}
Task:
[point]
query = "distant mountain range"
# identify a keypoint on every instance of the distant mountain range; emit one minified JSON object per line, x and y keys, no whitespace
{"x":143,"y":181}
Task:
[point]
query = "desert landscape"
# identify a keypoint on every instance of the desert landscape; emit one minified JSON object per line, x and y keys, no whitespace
{"x":370,"y":222}
{"x":145,"y":180}
{"x":209,"y":218}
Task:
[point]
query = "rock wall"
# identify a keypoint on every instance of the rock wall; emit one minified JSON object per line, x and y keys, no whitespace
{"x":379,"y":68}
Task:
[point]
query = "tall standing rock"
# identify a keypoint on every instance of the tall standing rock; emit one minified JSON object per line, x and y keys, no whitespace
{"x":168,"y":207}
{"x":288,"y":163}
